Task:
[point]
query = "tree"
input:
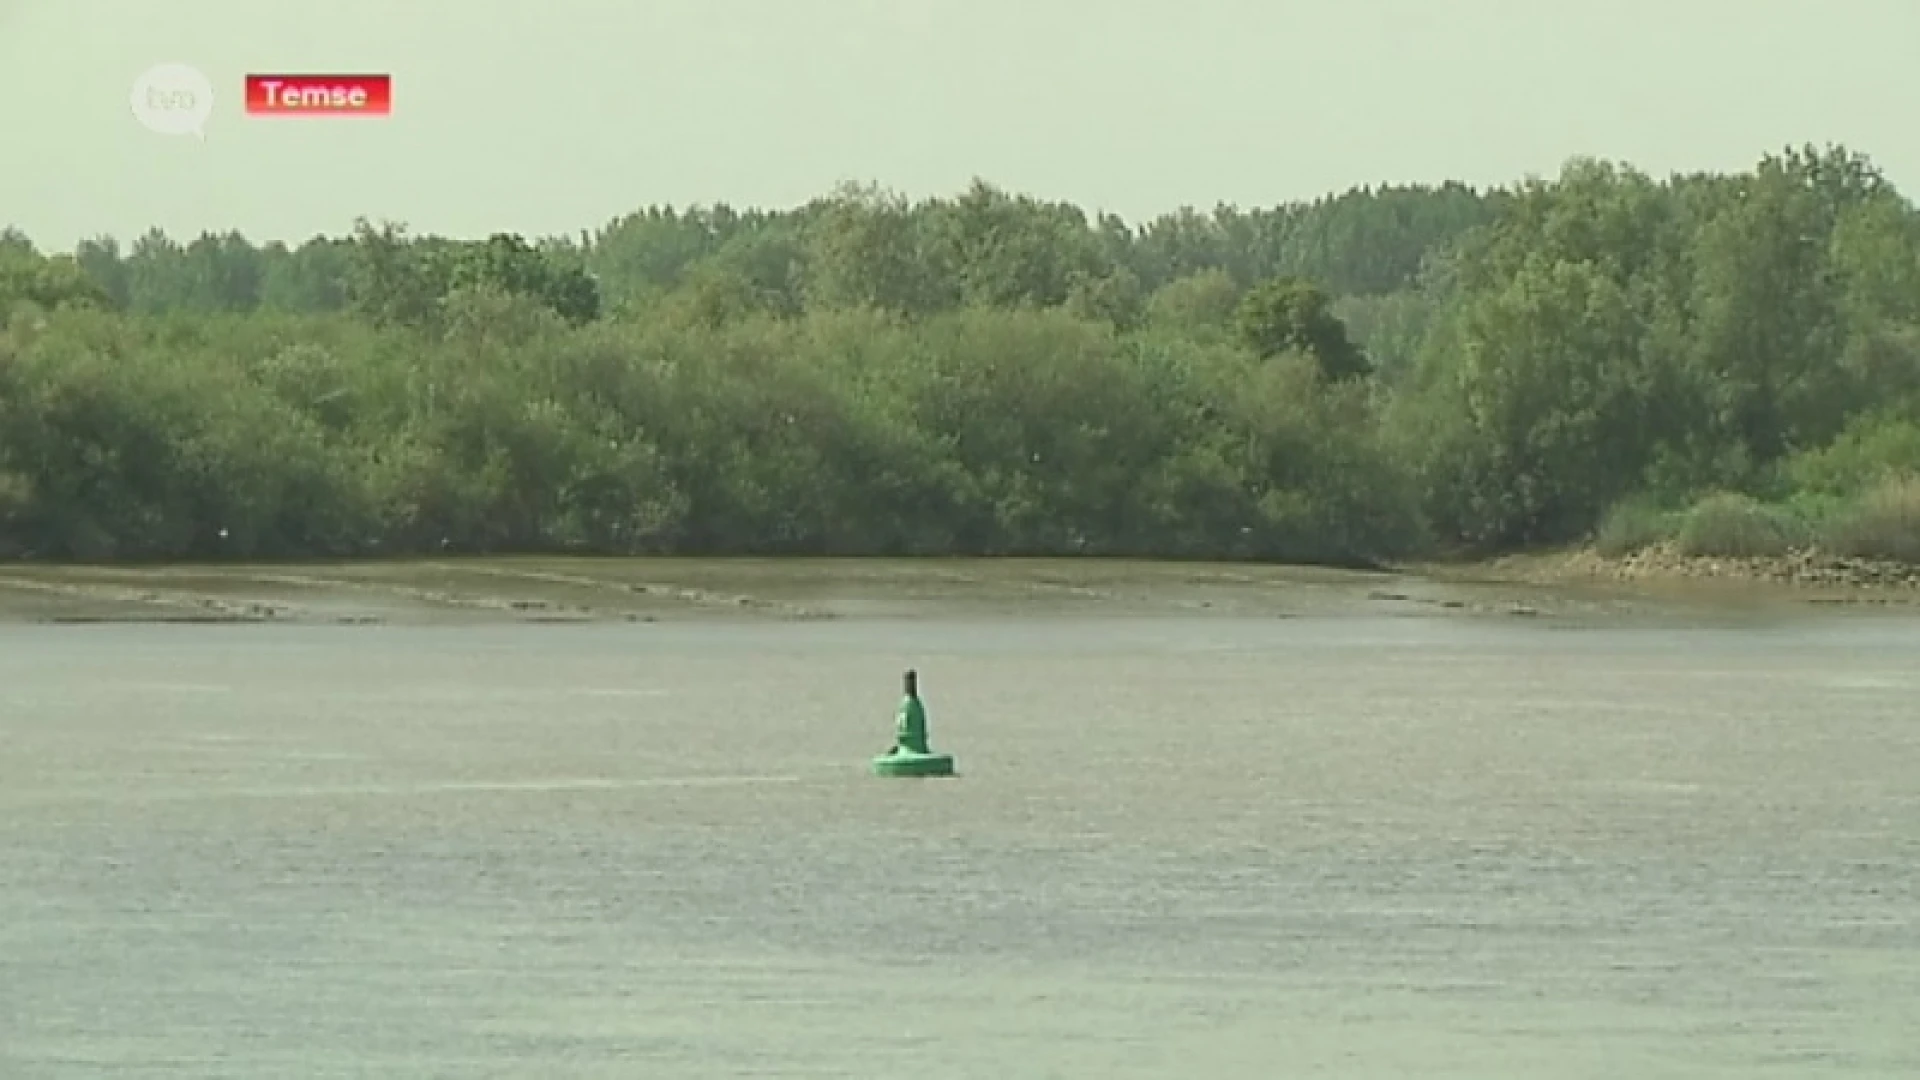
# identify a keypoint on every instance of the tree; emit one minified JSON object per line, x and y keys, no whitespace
{"x":398,"y":280}
{"x":985,"y":372}
{"x":868,"y":248}
{"x":1199,"y":305}
{"x":1010,"y":252}
{"x":394,"y":280}
{"x":46,"y":283}
{"x":508,"y":263}
{"x":1293,"y":315}
{"x":100,"y":258}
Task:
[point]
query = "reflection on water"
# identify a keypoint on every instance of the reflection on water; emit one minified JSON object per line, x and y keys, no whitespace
{"x":1182,"y":846}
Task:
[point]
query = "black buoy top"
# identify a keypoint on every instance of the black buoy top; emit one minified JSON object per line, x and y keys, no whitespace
{"x":912,"y":683}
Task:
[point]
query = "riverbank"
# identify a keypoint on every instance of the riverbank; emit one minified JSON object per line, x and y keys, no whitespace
{"x":1808,"y":574}
{"x":1574,"y":587}
{"x":533,"y":589}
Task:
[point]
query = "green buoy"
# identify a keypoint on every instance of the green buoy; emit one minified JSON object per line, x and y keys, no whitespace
{"x":911,"y":756}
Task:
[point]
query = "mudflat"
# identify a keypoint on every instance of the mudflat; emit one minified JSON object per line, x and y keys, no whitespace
{"x":464,"y":591}
{"x":1211,"y":822}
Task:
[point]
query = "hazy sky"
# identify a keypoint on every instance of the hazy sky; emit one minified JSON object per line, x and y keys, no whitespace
{"x":545,"y":116}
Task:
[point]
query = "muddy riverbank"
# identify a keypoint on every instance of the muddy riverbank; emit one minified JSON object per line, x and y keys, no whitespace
{"x":651,"y":590}
{"x":1808,"y":576}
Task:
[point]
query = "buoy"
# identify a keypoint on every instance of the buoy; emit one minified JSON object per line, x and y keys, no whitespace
{"x":911,"y":755}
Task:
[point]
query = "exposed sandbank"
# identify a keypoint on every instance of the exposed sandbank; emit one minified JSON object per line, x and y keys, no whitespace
{"x":1568,"y":586}
{"x":1803,"y":577}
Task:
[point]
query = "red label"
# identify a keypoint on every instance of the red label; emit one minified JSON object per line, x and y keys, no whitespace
{"x":319,"y":95}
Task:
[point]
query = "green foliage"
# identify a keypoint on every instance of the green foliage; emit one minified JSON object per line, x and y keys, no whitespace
{"x":1388,"y":329}
{"x":504,"y":428}
{"x":1872,"y":447}
{"x":393,"y":281}
{"x":1200,"y":305}
{"x":1740,"y":527}
{"x":1883,"y":523}
{"x":510,"y":265}
{"x":1291,"y":315}
{"x":1633,"y":525}
{"x":46,"y":283}
{"x":992,"y":372}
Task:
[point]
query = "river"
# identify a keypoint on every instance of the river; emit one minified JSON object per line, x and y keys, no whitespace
{"x":567,"y":819}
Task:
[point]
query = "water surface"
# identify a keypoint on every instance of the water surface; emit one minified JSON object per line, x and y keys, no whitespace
{"x":1187,"y":842}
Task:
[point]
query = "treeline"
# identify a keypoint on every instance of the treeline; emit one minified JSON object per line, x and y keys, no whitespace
{"x":1387,"y":372}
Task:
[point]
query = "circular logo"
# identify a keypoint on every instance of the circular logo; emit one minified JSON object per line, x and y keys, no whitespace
{"x":173,"y":99}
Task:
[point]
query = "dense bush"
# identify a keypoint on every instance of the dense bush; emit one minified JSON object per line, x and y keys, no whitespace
{"x":1740,"y":527}
{"x":1021,"y":432}
{"x":1388,"y":372}
{"x":1881,"y":521}
{"x":1870,"y":449}
{"x":1635,"y":524}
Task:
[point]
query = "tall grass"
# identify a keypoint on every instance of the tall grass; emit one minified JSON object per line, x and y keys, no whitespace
{"x":1883,"y":523}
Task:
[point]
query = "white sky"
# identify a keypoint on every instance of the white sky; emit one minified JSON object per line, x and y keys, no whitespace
{"x":556,"y":115}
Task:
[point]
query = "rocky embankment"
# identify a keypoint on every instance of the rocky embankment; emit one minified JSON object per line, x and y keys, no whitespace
{"x":1810,"y":570}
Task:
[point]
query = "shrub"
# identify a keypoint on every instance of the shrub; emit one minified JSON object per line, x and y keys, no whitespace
{"x":1884,"y":523}
{"x":1739,"y":527}
{"x":1634,"y":525}
{"x":1869,"y":450}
